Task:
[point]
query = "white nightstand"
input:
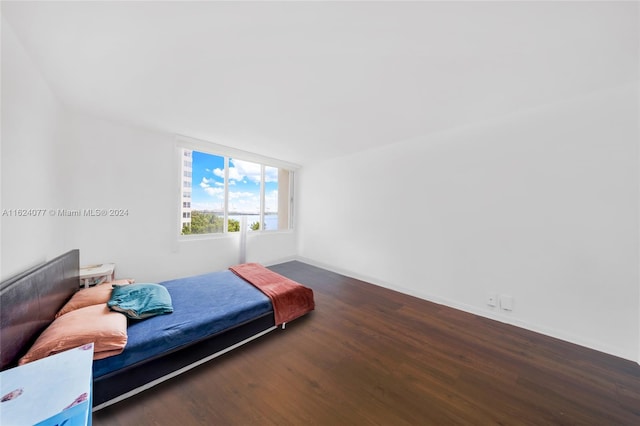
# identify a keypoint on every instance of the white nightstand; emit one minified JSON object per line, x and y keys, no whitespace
{"x":91,"y":275}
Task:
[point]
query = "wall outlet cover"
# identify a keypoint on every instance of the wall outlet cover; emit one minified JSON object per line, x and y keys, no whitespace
{"x":506,"y":302}
{"x":492,"y":300}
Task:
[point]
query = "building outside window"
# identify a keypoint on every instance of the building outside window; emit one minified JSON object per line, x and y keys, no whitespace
{"x":186,"y":189}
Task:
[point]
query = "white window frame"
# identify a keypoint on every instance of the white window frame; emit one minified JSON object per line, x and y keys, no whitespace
{"x":213,"y":148}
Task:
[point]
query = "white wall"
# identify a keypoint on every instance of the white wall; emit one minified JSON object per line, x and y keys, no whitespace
{"x":115,"y":166}
{"x":33,"y":122}
{"x":541,"y":206}
{"x":57,"y":159}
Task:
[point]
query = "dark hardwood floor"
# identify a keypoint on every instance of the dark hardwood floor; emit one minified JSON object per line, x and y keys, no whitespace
{"x":368,"y":355}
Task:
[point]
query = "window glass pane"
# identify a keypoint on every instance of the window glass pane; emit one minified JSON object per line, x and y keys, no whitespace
{"x":256,"y":195}
{"x":270,"y":222}
{"x":244,"y":194}
{"x":206,"y":201}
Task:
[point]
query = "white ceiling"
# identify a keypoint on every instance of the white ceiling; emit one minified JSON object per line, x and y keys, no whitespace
{"x":308,"y":81}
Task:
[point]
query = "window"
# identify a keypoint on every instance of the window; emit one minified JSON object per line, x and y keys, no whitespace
{"x":228,"y":191}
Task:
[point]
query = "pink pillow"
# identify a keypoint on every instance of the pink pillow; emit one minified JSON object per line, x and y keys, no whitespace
{"x":96,"y":323}
{"x":91,"y":296}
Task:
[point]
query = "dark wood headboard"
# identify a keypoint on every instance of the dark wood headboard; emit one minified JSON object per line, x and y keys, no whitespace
{"x":30,"y":300}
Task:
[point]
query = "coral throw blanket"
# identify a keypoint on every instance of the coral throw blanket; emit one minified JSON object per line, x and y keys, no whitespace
{"x":290,"y":299}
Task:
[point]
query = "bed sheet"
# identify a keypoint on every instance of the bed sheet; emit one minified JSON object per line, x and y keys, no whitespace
{"x":203,"y":305}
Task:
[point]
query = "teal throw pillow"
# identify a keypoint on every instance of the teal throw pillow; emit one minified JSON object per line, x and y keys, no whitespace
{"x":140,"y":301}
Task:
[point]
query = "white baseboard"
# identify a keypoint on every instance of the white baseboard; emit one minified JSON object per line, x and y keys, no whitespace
{"x":558,"y":334}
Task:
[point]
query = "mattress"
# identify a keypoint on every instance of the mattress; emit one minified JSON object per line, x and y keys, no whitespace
{"x":203,"y":305}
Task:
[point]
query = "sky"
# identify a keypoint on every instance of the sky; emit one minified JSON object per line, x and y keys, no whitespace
{"x":244,"y":185}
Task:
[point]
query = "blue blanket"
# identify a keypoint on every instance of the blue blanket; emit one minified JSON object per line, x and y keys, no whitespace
{"x":203,"y":305}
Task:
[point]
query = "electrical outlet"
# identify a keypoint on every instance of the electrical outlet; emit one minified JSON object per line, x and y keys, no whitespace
{"x":492,"y":300}
{"x":506,"y":302}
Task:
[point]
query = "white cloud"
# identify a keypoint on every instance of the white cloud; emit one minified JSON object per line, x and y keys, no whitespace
{"x":215,"y":192}
{"x":243,"y":171}
{"x":239,"y":169}
{"x":270,"y":174}
{"x":246,"y":195}
{"x":242,"y":201}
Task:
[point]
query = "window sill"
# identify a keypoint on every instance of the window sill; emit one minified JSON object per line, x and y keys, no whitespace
{"x":229,"y":235}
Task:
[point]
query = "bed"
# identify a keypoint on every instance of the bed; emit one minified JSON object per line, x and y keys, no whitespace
{"x":212,"y":314}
